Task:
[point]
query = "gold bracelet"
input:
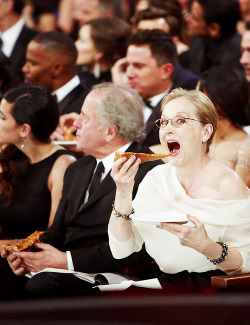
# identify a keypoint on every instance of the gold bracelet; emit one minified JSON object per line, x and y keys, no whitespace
{"x":121,"y":215}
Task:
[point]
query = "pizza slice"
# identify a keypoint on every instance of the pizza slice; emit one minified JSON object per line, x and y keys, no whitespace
{"x":67,"y":135}
{"x":25,"y":243}
{"x":143,"y":156}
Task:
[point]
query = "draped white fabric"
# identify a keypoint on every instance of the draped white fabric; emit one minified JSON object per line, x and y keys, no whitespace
{"x":227,"y":221}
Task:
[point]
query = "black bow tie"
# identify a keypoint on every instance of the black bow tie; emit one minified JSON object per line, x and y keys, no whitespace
{"x":148,"y":104}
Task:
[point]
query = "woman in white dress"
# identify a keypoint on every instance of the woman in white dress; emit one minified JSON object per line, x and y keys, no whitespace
{"x":213,"y":197}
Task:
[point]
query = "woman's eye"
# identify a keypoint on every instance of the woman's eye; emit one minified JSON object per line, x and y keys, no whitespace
{"x":180,"y":121}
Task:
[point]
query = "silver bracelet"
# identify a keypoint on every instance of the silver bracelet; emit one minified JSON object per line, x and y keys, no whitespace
{"x":121,"y":215}
{"x":223,"y":254}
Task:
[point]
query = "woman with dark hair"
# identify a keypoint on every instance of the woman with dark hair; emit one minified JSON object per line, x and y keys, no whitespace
{"x":227,"y":89}
{"x":101,"y":43}
{"x":31,"y":167}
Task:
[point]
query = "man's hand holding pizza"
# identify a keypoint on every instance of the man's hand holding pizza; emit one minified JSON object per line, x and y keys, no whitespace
{"x":23,"y":262}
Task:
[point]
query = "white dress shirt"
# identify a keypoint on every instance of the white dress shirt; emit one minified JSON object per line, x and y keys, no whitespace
{"x":67,"y":88}
{"x":153,"y":102}
{"x":108,"y":163}
{"x":10,"y":36}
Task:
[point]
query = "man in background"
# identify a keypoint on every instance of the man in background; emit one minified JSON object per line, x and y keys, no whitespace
{"x":215,"y":41}
{"x":51,"y":63}
{"x":14,"y":35}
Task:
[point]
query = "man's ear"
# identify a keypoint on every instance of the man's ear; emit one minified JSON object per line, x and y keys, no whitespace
{"x":25,"y":130}
{"x":167,"y":70}
{"x":111,"y":132}
{"x":57,"y":69}
{"x":98,"y":55}
{"x":214,"y":30}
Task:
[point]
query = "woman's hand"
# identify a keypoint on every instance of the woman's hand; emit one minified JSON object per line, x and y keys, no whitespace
{"x":194,"y":237}
{"x":67,"y":121}
{"x":123,"y":174}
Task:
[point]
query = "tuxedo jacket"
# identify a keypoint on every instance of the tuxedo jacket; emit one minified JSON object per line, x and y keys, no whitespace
{"x":152,"y":131}
{"x":18,"y":55}
{"x":73,"y":101}
{"x":83,"y":231}
{"x":184,"y":78}
{"x":202,"y":56}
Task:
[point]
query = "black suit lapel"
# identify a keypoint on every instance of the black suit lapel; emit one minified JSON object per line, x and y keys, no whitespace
{"x":67,"y":100}
{"x":108,"y":184}
{"x":156,"y":114}
{"x":83,"y":180}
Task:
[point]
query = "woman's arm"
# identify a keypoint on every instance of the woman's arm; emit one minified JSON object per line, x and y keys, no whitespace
{"x":123,"y":176}
{"x":196,"y":237}
{"x":65,"y":21}
{"x":55,"y":182}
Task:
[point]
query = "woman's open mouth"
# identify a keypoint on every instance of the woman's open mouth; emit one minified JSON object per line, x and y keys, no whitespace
{"x":173,"y":147}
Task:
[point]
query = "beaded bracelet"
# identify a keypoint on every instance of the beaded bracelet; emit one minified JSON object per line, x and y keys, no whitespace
{"x":223,"y":254}
{"x":121,"y":215}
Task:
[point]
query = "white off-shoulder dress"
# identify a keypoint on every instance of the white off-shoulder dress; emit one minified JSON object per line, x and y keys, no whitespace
{"x":160,"y":190}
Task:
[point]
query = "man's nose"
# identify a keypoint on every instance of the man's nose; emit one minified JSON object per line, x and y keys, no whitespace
{"x":130,"y":71}
{"x":244,"y":57}
{"x":25,"y":68}
{"x":77,"y":123}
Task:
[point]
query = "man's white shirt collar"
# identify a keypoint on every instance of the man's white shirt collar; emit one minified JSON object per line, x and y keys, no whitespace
{"x":153,"y":102}
{"x":10,"y":36}
{"x":109,"y":160}
{"x":67,"y":88}
{"x":157,"y":98}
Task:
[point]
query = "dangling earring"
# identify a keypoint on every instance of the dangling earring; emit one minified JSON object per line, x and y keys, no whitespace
{"x":97,"y":70}
{"x":22,"y":143}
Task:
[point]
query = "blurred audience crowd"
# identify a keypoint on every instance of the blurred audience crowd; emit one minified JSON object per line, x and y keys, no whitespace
{"x":67,"y":47}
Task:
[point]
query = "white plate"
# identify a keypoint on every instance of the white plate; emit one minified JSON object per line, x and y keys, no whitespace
{"x":155,"y":218}
{"x":65,"y":143}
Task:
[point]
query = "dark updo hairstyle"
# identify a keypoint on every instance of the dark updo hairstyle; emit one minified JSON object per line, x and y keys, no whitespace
{"x":228,"y":90}
{"x":36,"y":107}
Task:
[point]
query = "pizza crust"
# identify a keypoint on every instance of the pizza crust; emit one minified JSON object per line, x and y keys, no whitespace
{"x":24,"y":243}
{"x":143,"y":156}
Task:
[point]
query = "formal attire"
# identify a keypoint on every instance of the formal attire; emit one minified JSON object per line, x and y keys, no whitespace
{"x":88,"y":79}
{"x":203,"y":55}
{"x":81,"y":228}
{"x":184,"y":78}
{"x":70,"y":96}
{"x":151,"y":130}
{"x":15,"y":41}
{"x":30,"y":208}
{"x":160,"y":190}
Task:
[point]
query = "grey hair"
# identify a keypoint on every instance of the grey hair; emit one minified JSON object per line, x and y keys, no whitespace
{"x":122,"y":106}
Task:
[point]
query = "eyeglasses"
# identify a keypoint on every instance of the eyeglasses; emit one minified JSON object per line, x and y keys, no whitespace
{"x":176,"y":121}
